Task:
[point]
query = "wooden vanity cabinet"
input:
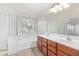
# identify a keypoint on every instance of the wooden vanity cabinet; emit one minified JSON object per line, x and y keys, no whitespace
{"x":44,"y":42}
{"x":44,"y":50}
{"x":50,"y":53}
{"x":60,"y":53}
{"x":47,"y":47}
{"x":52,"y":43}
{"x":51,"y":48}
{"x":44,"y":46}
{"x":64,"y":50}
{"x":39,"y":43}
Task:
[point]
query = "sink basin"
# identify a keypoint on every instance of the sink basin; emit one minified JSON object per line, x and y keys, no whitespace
{"x":60,"y":37}
{"x":46,"y":34}
{"x":75,"y":42}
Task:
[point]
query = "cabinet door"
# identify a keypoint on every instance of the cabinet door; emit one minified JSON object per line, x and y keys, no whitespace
{"x":39,"y":38}
{"x":68,"y":50}
{"x":52,"y":43}
{"x":59,"y":53}
{"x":50,"y":53}
{"x":44,"y":44}
{"x":53,"y":49}
{"x":44,"y":50}
{"x":39,"y":44}
{"x":39,"y":41}
{"x":44,"y":40}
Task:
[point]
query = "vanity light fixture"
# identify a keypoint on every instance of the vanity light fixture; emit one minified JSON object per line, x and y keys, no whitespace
{"x":56,"y":7}
{"x":53,"y":10}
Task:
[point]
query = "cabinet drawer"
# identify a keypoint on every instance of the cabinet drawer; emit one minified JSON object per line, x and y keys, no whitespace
{"x":53,"y":49}
{"x":39,"y":38}
{"x":50,"y":53}
{"x":44,"y":50}
{"x":59,"y":53}
{"x":68,"y":50}
{"x":39,"y":43}
{"x":52,"y":43}
{"x":39,"y":48}
{"x":44,"y":44}
{"x":44,"y":40}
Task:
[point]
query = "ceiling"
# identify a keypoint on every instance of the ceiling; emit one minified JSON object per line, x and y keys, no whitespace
{"x":27,"y":9}
{"x":36,"y":8}
{"x":30,"y":10}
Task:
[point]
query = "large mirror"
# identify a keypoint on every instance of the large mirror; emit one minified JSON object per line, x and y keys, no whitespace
{"x":68,"y":26}
{"x":72,"y":26}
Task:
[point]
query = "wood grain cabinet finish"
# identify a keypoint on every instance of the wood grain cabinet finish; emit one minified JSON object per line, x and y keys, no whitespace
{"x":39,"y":38}
{"x":51,"y":48}
{"x":68,"y":50}
{"x":52,"y":43}
{"x":50,"y":53}
{"x":60,"y":53}
{"x":44,"y":50}
{"x":44,"y":40}
{"x":44,"y":44}
{"x":39,"y":42}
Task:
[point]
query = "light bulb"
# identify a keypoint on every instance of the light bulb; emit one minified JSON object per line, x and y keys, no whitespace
{"x":56,"y":7}
{"x":66,"y":5}
{"x":60,"y":9}
{"x":53,"y":10}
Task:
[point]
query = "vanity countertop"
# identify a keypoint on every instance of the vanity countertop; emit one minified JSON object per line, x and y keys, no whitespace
{"x":62,"y":39}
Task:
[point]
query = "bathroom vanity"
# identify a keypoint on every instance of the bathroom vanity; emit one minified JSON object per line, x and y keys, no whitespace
{"x":51,"y":46}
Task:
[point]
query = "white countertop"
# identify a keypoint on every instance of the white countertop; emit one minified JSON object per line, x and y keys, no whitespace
{"x":61,"y":39}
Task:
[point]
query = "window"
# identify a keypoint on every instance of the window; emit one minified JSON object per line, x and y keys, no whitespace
{"x":27,"y":25}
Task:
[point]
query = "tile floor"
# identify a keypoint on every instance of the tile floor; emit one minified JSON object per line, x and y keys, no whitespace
{"x":29,"y":52}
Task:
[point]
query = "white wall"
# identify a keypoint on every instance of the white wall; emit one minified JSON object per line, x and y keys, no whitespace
{"x":12,"y":24}
{"x":77,"y":29}
{"x":13,"y":42}
{"x":3,"y":31}
{"x":8,"y":28}
{"x":42,"y":25}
